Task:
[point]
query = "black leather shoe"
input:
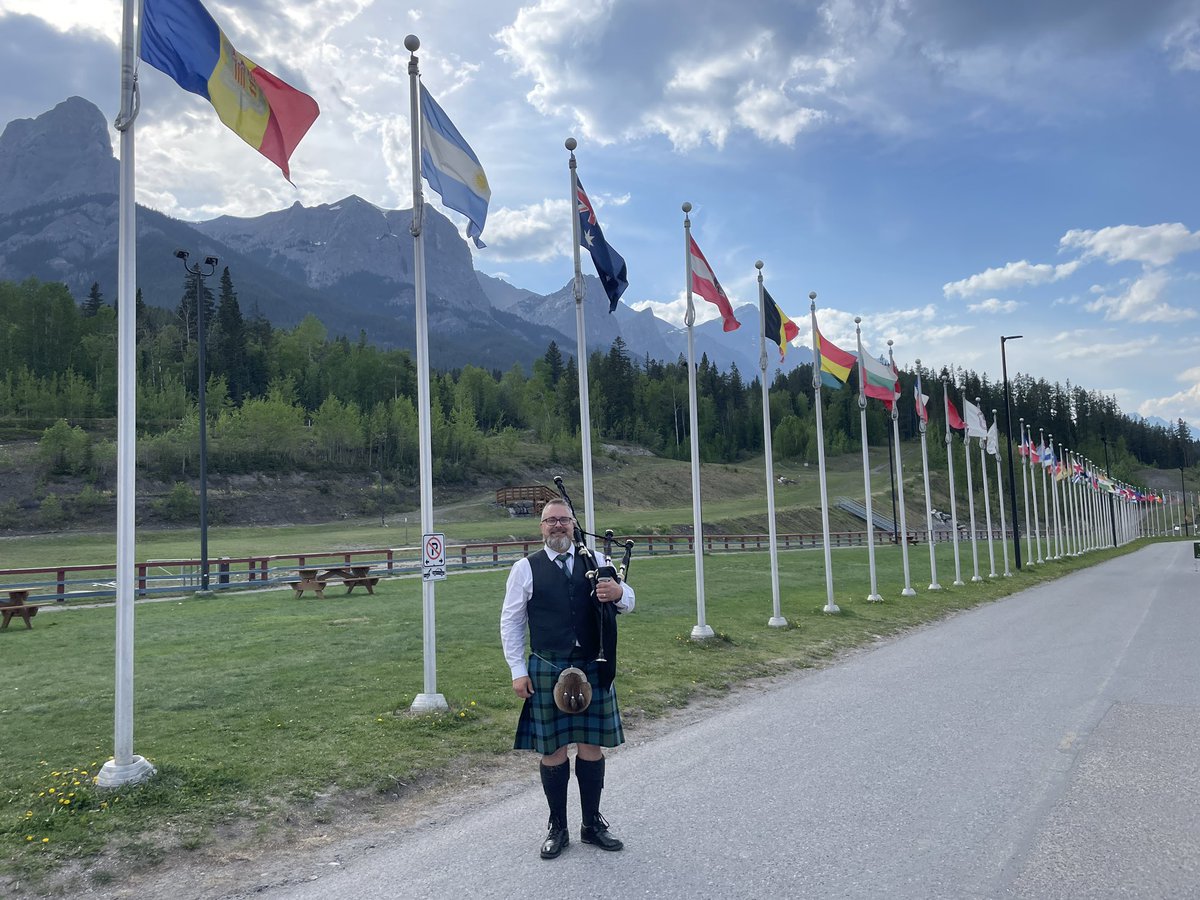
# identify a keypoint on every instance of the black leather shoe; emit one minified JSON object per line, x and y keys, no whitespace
{"x":558,"y":838}
{"x":597,"y":833}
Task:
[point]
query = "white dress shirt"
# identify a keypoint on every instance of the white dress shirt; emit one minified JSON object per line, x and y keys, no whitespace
{"x":514,"y":615}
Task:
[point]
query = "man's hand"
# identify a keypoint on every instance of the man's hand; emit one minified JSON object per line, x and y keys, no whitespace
{"x":523,"y":687}
{"x":608,"y":590}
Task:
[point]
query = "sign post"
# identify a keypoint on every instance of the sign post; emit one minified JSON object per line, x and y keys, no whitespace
{"x":433,"y":557}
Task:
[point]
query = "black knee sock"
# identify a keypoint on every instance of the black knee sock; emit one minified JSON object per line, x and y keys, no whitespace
{"x":554,"y":783}
{"x":590,"y":775}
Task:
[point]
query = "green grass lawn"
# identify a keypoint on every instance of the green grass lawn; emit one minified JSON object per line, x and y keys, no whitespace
{"x":255,"y":703}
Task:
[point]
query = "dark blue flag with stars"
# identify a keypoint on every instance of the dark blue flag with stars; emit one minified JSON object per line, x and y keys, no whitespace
{"x":610,"y":265}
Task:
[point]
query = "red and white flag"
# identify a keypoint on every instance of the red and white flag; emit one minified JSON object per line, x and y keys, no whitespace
{"x":705,"y":283}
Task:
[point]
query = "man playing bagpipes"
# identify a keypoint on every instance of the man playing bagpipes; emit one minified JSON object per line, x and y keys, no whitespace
{"x":567,"y":684}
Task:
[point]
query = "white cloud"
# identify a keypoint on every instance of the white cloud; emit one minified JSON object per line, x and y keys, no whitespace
{"x":1183,"y":405}
{"x":675,"y":311}
{"x":993,"y":305}
{"x":533,"y":232}
{"x":1012,"y":275}
{"x":1182,"y":46}
{"x":1153,"y":245}
{"x":1141,"y":302}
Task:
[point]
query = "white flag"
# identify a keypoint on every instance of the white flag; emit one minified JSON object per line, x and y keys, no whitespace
{"x":993,"y":440}
{"x":976,"y":423}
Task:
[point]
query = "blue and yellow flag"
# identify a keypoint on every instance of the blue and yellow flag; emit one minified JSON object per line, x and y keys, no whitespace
{"x":180,"y":39}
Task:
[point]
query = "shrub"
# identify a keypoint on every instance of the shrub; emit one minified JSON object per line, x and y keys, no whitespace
{"x":51,"y":512}
{"x":180,"y":503}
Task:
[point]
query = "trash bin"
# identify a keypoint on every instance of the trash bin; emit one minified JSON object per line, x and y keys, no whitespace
{"x":1196,"y":549}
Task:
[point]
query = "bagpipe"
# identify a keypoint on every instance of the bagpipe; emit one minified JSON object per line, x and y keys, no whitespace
{"x":571,"y":682}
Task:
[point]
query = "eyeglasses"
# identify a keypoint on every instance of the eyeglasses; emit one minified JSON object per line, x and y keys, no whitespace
{"x":557,"y":520}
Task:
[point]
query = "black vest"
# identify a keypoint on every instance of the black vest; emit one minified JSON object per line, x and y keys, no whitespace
{"x":561,"y":613}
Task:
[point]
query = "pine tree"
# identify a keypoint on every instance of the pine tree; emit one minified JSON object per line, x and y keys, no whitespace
{"x":94,"y":301}
{"x":229,"y":340}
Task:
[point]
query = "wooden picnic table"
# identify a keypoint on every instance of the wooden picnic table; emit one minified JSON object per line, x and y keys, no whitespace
{"x":354,"y":576}
{"x":308,"y":581}
{"x":16,"y":606}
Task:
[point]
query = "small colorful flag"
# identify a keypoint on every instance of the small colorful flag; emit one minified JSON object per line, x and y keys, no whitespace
{"x":881,"y":380}
{"x":610,"y":265}
{"x":181,"y":39}
{"x":452,"y":168}
{"x":836,"y":363}
{"x":977,"y":425}
{"x":705,"y":283}
{"x":955,"y":420}
{"x":921,"y":400}
{"x":776,"y":325}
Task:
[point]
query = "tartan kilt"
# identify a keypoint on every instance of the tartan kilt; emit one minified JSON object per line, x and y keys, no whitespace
{"x":544,"y":727}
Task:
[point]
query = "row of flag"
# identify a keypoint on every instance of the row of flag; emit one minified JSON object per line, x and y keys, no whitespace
{"x":181,"y":39}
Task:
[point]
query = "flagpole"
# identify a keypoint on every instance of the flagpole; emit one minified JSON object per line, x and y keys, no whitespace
{"x":987,"y":500}
{"x":429,"y":700}
{"x":1000,"y":499}
{"x":585,"y":411}
{"x":777,"y":620}
{"x":921,"y":427}
{"x":874,"y":596}
{"x":126,"y":767}
{"x":1045,"y":494}
{"x":970,"y":494}
{"x":701,"y":630}
{"x":1058,"y":541}
{"x":950,"y":465}
{"x":908,"y":588}
{"x":1031,"y":534}
{"x":830,"y":606}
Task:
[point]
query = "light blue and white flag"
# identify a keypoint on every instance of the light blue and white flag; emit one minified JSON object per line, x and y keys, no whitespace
{"x":452,"y":168}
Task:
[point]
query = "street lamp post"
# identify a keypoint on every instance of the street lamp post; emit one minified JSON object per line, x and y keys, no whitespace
{"x":1012,"y":477}
{"x":197,"y":271}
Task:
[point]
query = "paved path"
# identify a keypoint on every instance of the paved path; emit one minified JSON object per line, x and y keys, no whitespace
{"x":1044,"y":746}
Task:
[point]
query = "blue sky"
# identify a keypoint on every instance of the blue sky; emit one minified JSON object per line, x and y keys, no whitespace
{"x":949,"y":170}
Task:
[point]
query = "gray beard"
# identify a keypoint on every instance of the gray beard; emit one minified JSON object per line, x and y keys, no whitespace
{"x":559,"y":543}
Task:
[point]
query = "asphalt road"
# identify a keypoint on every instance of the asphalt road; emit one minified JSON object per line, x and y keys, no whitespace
{"x":1045,"y":746}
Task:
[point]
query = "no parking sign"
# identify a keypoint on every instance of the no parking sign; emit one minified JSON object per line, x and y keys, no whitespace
{"x":433,"y":557}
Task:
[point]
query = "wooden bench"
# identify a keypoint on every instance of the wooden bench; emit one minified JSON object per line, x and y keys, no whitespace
{"x":354,"y":576}
{"x":308,"y":581}
{"x":16,"y":606}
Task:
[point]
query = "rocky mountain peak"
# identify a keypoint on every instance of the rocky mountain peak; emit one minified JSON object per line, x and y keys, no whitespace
{"x":65,"y":152}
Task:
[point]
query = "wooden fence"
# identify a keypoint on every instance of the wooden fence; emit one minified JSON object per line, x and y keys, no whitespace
{"x":173,"y":577}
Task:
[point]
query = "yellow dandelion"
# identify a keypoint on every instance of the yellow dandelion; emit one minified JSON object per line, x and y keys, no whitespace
{"x":472,"y":702}
{"x":29,"y":837}
{"x":45,"y":840}
{"x":51,"y":790}
{"x":463,"y":714}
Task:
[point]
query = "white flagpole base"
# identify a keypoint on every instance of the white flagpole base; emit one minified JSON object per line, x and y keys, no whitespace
{"x":135,"y":772}
{"x":702,"y":632}
{"x":976,"y":578}
{"x":777,"y":622}
{"x":429,"y":703}
{"x":832,"y":608}
{"x":1008,"y":574}
{"x":934,"y":586}
{"x":908,"y":592}
{"x":874,"y":598}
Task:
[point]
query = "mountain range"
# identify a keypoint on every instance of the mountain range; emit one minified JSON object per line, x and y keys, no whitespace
{"x":348,"y":263}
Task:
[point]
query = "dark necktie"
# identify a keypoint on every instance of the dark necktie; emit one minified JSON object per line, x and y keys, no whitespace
{"x":564,"y":560}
